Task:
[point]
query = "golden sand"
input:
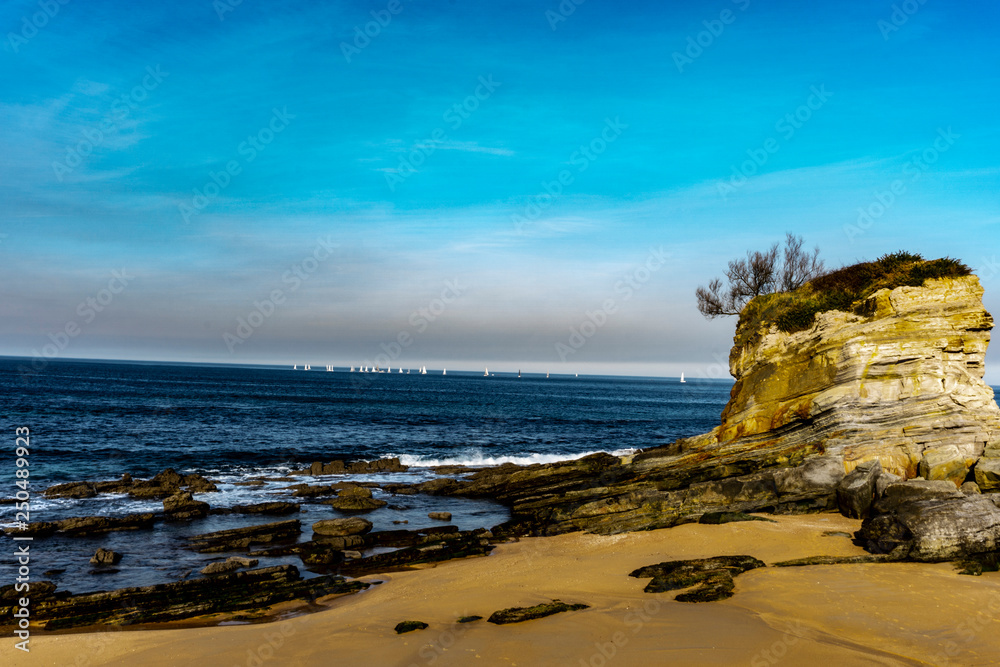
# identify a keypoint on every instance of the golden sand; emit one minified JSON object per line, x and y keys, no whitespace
{"x":875,"y":614}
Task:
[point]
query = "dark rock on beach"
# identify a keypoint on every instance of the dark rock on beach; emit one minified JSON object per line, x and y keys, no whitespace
{"x":521,"y":614}
{"x":715,"y":518}
{"x":71,"y":490}
{"x":231,"y":564}
{"x":342,"y":527}
{"x":356,"y":468}
{"x":409,"y":626}
{"x":712,"y":576}
{"x":178,"y":600}
{"x":856,"y":492}
{"x":439,"y":516}
{"x":183,"y":507}
{"x":83,"y":526}
{"x":355,"y":498}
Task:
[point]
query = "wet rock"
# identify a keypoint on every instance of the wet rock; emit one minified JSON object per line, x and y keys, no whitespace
{"x":714,"y":518}
{"x":342,"y":527}
{"x":340,"y":542}
{"x":198,"y":484}
{"x":439,"y":516}
{"x":84,"y":526}
{"x":837,"y":560}
{"x":356,"y":499}
{"x":712,"y":576}
{"x":351,"y":554}
{"x":273,"y":508}
{"x":521,"y":614}
{"x":183,"y":507}
{"x":469,"y":619}
{"x":231,"y":564}
{"x":856,"y":491}
{"x":381,"y":465}
{"x":988,"y":474}
{"x":250,"y":482}
{"x":71,"y":490}
{"x":239,"y":539}
{"x":331,"y":468}
{"x":316,"y":554}
{"x":401,"y":489}
{"x":433,"y":549}
{"x":105,"y":557}
{"x":312,"y":491}
{"x":409,"y":626}
{"x":236,"y":591}
{"x":169,"y":478}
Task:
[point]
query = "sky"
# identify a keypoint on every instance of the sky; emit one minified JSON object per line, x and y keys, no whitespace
{"x":534,"y":185}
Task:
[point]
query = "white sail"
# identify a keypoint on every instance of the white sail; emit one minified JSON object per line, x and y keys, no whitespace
{"x":682,"y":377}
{"x":444,"y":372}
{"x":487,"y":373}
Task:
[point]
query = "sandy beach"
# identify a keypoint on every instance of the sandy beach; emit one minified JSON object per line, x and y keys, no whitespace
{"x":875,"y":614}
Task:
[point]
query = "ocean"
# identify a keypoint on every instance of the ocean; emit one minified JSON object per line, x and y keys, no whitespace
{"x":97,"y":420}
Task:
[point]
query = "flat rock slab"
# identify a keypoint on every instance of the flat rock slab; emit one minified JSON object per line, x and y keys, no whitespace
{"x":712,"y":576}
{"x":342,"y":527}
{"x":520,"y":614}
{"x":239,"y":539}
{"x":715,"y":518}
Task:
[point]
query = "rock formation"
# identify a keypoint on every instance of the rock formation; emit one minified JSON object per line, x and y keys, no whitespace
{"x":895,"y":386}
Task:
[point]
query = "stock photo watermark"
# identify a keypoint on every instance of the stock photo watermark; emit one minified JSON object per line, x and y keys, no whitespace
{"x":911,"y":172}
{"x":363,"y":35}
{"x":627,"y":286}
{"x":88,"y":310}
{"x":95,"y":135}
{"x":704,"y":39}
{"x":265,"y":308}
{"x":786,"y":127}
{"x":33,"y":23}
{"x":248,"y":150}
{"x":581,"y":158}
{"x":454,"y":116}
{"x":901,"y":13}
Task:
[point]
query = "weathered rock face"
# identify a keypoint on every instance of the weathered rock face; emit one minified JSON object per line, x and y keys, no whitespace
{"x":902,"y":384}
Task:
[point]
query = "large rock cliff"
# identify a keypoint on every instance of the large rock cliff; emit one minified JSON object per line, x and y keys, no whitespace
{"x":894,"y":386}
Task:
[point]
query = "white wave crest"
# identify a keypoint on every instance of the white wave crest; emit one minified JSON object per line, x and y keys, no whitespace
{"x":475,"y":459}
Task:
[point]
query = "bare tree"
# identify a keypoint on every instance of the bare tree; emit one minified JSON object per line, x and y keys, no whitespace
{"x":800,"y":267}
{"x":759,"y":274}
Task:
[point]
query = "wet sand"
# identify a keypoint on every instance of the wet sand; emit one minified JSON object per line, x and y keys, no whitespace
{"x":876,"y":614}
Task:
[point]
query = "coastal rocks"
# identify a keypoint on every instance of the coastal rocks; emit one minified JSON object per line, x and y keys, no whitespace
{"x":105,"y":557}
{"x":240,"y":539}
{"x":409,"y":626}
{"x":712,"y":576}
{"x":71,"y":490}
{"x":84,"y":526}
{"x":313,"y":490}
{"x":856,"y":492}
{"x":182,"y":507}
{"x":231,"y":564}
{"x":272,"y":508}
{"x":356,"y":499}
{"x":439,"y":516}
{"x":717,"y":518}
{"x":935,"y":530}
{"x":357,"y":467}
{"x":988,"y":474}
{"x":946,"y":462}
{"x":899,"y":494}
{"x":235,"y":591}
{"x":342,"y":527}
{"x":521,"y":614}
{"x":435,"y":548}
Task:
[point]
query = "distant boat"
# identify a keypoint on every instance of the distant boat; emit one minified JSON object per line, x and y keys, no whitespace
{"x":487,"y":373}
{"x":546,"y":374}
{"x":423,"y":370}
{"x":444,"y":372}
{"x":295,"y":367}
{"x":682,"y":377}
{"x":352,"y":369}
{"x":400,"y":369}
{"x":518,"y":372}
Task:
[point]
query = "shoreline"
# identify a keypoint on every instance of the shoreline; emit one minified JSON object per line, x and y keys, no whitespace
{"x":886,"y":613}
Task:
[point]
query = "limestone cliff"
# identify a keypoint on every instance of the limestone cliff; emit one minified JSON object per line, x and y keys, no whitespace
{"x":897,"y":380}
{"x":902,"y":383}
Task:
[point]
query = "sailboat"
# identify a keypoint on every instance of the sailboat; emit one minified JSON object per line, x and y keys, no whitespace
{"x":444,"y":372}
{"x":546,"y":374}
{"x":682,"y":377}
{"x":352,"y":369}
{"x":487,"y":373}
{"x":518,"y":372}
{"x":423,"y":370}
{"x":295,"y":367}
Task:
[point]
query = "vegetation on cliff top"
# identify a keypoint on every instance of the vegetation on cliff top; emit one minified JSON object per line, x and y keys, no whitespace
{"x":845,"y":289}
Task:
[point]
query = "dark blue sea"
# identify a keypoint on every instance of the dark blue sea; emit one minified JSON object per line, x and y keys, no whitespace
{"x":97,"y":420}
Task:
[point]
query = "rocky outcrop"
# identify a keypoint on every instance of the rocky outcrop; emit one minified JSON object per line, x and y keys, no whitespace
{"x":342,"y":527}
{"x":275,"y":508}
{"x":162,"y":485}
{"x":355,"y":468}
{"x":356,"y":499}
{"x":240,"y":539}
{"x":521,"y":614}
{"x":181,"y":506}
{"x":898,"y":382}
{"x":105,"y":557}
{"x":176,"y":601}
{"x":85,"y":525}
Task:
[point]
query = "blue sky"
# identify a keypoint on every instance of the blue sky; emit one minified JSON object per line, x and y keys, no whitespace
{"x":118,"y":116}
